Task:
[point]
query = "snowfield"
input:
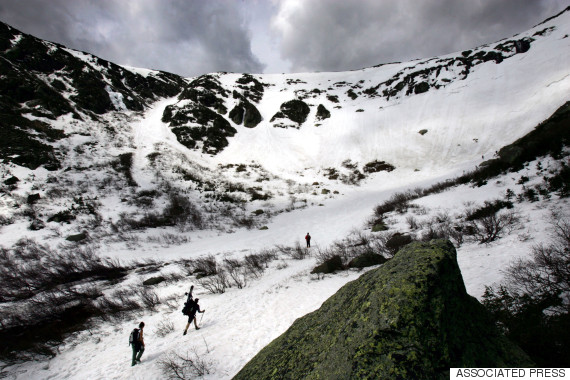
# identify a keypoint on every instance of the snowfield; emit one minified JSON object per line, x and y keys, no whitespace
{"x":467,"y":121}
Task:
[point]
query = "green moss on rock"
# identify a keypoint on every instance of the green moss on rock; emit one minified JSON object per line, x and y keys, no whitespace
{"x":409,"y":319}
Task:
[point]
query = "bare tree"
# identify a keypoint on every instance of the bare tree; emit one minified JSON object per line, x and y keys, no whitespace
{"x":492,"y":227}
{"x":176,"y":366}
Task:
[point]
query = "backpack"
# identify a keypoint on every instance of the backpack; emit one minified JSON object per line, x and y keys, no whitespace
{"x":134,"y":337}
{"x":187,"y":309}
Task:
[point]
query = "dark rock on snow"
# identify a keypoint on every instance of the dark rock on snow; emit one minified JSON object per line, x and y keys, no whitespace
{"x":409,"y":319}
{"x":367,"y":260}
{"x":329,"y":266}
{"x":294,"y":110}
{"x":322,"y":112}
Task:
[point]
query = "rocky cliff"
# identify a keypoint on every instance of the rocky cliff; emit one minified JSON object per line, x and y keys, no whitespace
{"x":410,"y":318}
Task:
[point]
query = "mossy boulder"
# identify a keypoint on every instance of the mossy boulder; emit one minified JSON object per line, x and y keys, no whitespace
{"x":367,"y":260}
{"x":329,"y":266}
{"x":409,"y":319}
{"x":397,"y":241}
{"x":379,"y":226}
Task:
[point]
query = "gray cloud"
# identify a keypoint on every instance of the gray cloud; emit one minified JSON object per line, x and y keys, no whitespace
{"x":336,"y":35}
{"x":192,"y":37}
{"x":188,"y":37}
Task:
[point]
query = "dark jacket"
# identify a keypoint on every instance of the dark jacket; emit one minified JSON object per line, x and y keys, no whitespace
{"x":195,"y":308}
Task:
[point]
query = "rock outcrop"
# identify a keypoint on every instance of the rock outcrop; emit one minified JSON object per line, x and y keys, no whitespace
{"x":294,"y":110}
{"x":409,"y":319}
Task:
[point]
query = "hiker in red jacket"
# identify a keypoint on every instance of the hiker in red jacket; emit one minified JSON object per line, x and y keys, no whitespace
{"x":308,"y":239}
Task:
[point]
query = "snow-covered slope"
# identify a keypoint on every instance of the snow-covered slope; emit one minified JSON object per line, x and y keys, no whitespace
{"x":120,"y":177}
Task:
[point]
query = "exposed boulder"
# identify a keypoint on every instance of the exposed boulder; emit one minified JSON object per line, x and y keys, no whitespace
{"x":236,"y":114}
{"x":33,"y":198}
{"x":247,"y":113}
{"x":322,"y":112}
{"x":329,"y":266}
{"x":367,"y":260}
{"x":378,"y":166}
{"x":294,"y":110}
{"x":77,"y":237}
{"x":11,"y":181}
{"x":522,"y":46}
{"x":397,"y":241}
{"x":198,"y":127}
{"x":409,"y":319}
{"x":251,"y":87}
{"x":153,"y":281}
{"x":420,"y":88}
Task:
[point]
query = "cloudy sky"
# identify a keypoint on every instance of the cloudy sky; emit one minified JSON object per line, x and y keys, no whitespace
{"x":193,"y":37}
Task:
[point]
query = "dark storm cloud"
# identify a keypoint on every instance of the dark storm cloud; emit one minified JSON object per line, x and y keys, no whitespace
{"x":333,"y":35}
{"x":188,"y":37}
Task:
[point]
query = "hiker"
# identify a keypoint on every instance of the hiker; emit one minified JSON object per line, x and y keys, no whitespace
{"x":308,"y":239}
{"x":192,"y":315}
{"x":137,"y":341}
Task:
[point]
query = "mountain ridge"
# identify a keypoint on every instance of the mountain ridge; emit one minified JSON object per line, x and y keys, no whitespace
{"x":258,"y":141}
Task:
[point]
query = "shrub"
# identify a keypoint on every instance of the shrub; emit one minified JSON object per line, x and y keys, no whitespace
{"x":297,"y":252}
{"x":216,"y":283}
{"x":490,"y":208}
{"x":399,"y":202}
{"x":148,"y":297}
{"x":532,"y":306}
{"x":236,"y":272}
{"x":164,"y":328}
{"x":191,"y":365}
{"x":205,"y":266}
{"x":53,"y":300}
{"x":123,"y":164}
{"x":560,"y":182}
{"x":355,"y":245}
{"x":24,"y":271}
{"x":492,"y":227}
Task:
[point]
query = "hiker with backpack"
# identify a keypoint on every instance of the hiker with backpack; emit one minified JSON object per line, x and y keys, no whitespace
{"x":190,"y":309}
{"x":308,"y":239}
{"x":136,"y":340}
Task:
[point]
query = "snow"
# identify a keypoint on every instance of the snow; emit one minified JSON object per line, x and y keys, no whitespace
{"x":141,"y":71}
{"x":466,"y":121}
{"x":116,"y":99}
